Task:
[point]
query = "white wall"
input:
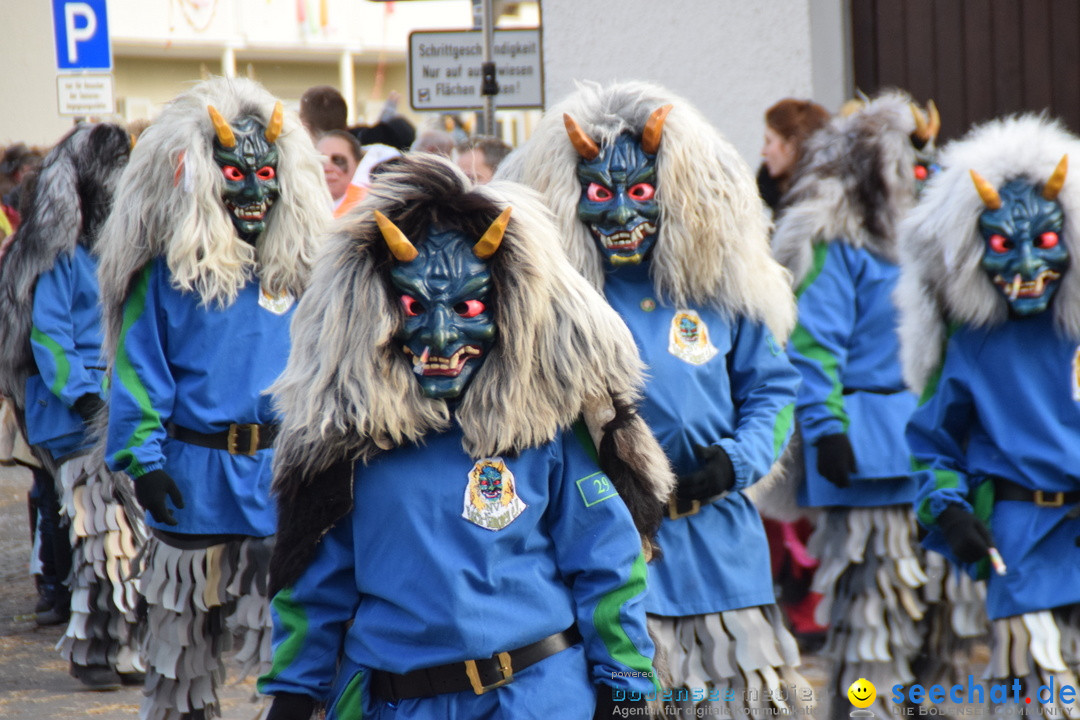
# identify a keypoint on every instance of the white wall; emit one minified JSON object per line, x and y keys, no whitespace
{"x":28,"y":75}
{"x":730,"y":58}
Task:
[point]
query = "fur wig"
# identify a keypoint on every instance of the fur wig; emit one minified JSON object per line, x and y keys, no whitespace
{"x":348,"y":392}
{"x":67,"y":204}
{"x":713,"y":245}
{"x":169,"y":204}
{"x":853,"y":185}
{"x":941,"y":279}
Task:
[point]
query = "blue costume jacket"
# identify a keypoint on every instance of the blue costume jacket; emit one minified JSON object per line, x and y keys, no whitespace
{"x":66,"y":342}
{"x":1007,"y":404}
{"x":202,"y":368}
{"x":712,"y":381}
{"x":424,"y":581}
{"x":846,"y":348}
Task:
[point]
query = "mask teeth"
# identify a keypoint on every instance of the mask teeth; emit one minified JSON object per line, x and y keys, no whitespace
{"x":418,"y":363}
{"x":1014,"y":287}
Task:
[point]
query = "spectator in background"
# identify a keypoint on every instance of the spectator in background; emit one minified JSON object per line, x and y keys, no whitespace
{"x":390,"y":129}
{"x":480,"y":157}
{"x":788,"y":124}
{"x":17,"y":162}
{"x":341,"y":154}
{"x":322,"y":108}
{"x":435,"y":141}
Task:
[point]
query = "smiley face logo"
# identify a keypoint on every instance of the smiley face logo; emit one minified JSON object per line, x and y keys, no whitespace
{"x":862,"y":693}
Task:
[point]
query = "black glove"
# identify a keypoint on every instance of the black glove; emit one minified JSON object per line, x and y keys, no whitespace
{"x":608,"y":707}
{"x":291,"y":706}
{"x":150,"y":491}
{"x":88,"y":406}
{"x":715,"y":475}
{"x":835,"y":459}
{"x":968,"y":538}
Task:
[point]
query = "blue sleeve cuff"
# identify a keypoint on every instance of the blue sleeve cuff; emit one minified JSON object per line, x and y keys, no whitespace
{"x":744,"y":475}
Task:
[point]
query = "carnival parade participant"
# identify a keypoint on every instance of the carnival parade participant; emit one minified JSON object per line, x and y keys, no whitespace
{"x":991,"y":337}
{"x":215,"y":223}
{"x":450,"y":543}
{"x":658,"y":211}
{"x":838,"y":238}
{"x":51,"y":341}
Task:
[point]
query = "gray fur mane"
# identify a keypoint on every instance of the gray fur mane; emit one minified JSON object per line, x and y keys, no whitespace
{"x":713,"y":243}
{"x":941,"y":279}
{"x":349,"y":391}
{"x":168,"y":204}
{"x":69,"y":200}
{"x":853,"y":185}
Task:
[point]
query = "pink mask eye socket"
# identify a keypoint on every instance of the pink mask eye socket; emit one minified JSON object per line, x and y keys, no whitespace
{"x":920,"y":172}
{"x":1048,"y":240}
{"x":641,"y":192}
{"x":265,"y":173}
{"x":598,"y":193}
{"x":411,"y":306}
{"x":470,"y":308}
{"x":232,"y":173}
{"x":999,"y":244}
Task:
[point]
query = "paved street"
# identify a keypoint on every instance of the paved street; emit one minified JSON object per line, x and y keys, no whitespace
{"x":34,"y":680}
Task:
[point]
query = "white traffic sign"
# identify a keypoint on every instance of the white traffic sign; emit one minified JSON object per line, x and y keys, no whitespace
{"x":83,"y":95}
{"x":444,"y":69}
{"x":81,"y":28}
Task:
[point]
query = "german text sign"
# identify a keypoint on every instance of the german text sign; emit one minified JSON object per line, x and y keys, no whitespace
{"x":85,"y":95}
{"x":445,"y":66}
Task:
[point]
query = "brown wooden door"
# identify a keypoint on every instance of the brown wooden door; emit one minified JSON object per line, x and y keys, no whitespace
{"x":977,"y":59}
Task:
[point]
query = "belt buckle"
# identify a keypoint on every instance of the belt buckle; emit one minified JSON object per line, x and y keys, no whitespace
{"x":673,"y":509}
{"x":1041,"y":499}
{"x":474,"y":674}
{"x":253,"y":444}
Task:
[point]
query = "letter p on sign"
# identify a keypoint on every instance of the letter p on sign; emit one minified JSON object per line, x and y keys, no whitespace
{"x":82,"y":35}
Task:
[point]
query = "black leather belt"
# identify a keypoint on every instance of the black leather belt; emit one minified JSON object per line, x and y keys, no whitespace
{"x":1008,"y":490}
{"x":477,"y":675}
{"x":244,"y":439}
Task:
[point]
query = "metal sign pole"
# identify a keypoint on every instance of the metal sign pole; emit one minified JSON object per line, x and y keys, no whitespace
{"x":489,"y":87}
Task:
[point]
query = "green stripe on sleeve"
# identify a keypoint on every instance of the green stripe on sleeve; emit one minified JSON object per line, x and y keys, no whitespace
{"x":351,"y":703}
{"x":606,"y":621}
{"x":129,"y":379}
{"x":809,"y":348}
{"x":294,"y":619}
{"x":781,"y":427}
{"x":581,"y":432}
{"x":63,"y":366}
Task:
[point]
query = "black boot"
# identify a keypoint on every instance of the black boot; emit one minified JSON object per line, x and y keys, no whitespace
{"x":54,"y":603}
{"x":96,"y":677}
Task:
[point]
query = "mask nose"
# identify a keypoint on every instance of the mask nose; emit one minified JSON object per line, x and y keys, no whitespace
{"x":440,"y":329}
{"x":622,"y":213}
{"x":1030,"y":263}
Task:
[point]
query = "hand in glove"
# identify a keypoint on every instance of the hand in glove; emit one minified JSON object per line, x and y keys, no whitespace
{"x":291,"y":706}
{"x":608,"y":707}
{"x":835,"y":459}
{"x":715,"y":475}
{"x":150,"y":491}
{"x":88,"y":406}
{"x":968,"y":538}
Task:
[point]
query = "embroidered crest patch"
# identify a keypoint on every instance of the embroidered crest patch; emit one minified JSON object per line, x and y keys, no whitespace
{"x":491,"y":499}
{"x":689,"y":338}
{"x":277,"y":304}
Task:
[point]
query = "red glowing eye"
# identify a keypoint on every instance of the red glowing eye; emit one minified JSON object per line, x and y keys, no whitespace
{"x":1000,"y":244}
{"x":921,"y":172}
{"x":598,"y":193}
{"x":232,"y":173}
{"x":265,"y":173}
{"x":641,"y":192}
{"x":1048,"y":240}
{"x":469,"y":308}
{"x":412,"y":307}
